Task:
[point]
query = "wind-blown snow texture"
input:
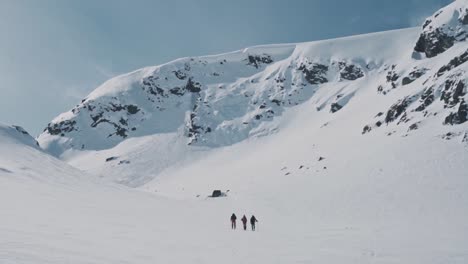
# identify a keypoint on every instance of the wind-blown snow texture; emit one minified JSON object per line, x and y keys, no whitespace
{"x":351,"y":150}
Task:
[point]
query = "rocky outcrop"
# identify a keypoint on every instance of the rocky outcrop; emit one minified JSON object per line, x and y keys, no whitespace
{"x":413,"y":75}
{"x":445,"y":28}
{"x":314,"y":73}
{"x":427,"y":98}
{"x":459,"y":116}
{"x":455,"y":62}
{"x":349,"y":71}
{"x":397,"y":109}
{"x":433,"y":43}
{"x":258,"y":60}
{"x":61,"y":128}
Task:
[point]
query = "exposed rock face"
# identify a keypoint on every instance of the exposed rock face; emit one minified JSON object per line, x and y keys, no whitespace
{"x":433,"y":43}
{"x":258,"y":60}
{"x":455,"y":62}
{"x":413,"y":75}
{"x":445,"y":28}
{"x":61,"y":128}
{"x":397,"y":109}
{"x":459,"y":116}
{"x":314,"y":73}
{"x":427,"y":98}
{"x":335,"y":107}
{"x":453,"y":92}
{"x":350,"y":72}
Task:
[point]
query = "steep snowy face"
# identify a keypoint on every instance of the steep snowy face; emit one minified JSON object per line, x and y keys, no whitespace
{"x":157,"y":115}
{"x":220,"y":100}
{"x":445,"y":28}
{"x":432,"y":88}
{"x":22,"y":158}
{"x":16,"y":135}
{"x":213,"y":101}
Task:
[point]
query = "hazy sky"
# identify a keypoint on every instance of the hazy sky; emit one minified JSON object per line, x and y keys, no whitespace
{"x":54,"y":52}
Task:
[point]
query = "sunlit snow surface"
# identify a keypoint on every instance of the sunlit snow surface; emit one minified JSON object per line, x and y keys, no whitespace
{"x":336,"y":174}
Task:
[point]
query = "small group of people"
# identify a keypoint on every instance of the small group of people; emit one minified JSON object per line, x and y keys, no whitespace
{"x":253,"y":220}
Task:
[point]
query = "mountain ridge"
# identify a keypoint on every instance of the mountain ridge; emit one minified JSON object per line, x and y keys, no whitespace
{"x":215,"y":101}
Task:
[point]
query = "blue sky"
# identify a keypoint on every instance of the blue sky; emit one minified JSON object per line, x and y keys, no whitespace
{"x":54,"y":52}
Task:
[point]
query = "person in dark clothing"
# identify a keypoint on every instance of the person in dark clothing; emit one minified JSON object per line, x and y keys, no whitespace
{"x":253,"y":220}
{"x":233,"y":221}
{"x":244,"y":222}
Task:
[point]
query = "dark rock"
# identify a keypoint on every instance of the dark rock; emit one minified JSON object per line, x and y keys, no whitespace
{"x":335,"y":107}
{"x":426,"y":23}
{"x":21,"y":130}
{"x":217,"y":193}
{"x":427,"y":98}
{"x":459,"y":116}
{"x":380,"y":89}
{"x":61,"y":127}
{"x":453,"y":92}
{"x":397,"y":109}
{"x":412,"y":76}
{"x":276,"y":101}
{"x":465,"y":137}
{"x":111,"y":158}
{"x":433,"y":43}
{"x":180,"y":75}
{"x":464,"y":19}
{"x":257,"y":60}
{"x":120,"y":131}
{"x":150,"y":86}
{"x":132,"y":109}
{"x":455,"y":62}
{"x":177,"y":91}
{"x":314,"y":73}
{"x":193,"y":87}
{"x":366,"y":129}
{"x":392,"y":77}
{"x":350,"y":72}
{"x":123,"y":121}
{"x":413,"y":126}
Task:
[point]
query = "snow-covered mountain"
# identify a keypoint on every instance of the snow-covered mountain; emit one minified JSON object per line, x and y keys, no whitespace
{"x":347,"y":150}
{"x":21,"y":156}
{"x":158,"y":116}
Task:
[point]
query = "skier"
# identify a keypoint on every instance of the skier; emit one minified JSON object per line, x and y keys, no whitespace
{"x":253,"y":220}
{"x":244,"y":222}
{"x":233,"y":221}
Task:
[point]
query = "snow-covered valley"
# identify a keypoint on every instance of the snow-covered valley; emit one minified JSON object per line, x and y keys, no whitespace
{"x":352,"y":150}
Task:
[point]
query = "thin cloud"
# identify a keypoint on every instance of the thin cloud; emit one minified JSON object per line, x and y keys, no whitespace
{"x":105,"y":72}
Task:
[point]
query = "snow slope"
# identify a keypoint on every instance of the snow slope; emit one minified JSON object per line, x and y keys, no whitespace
{"x":164,"y":116}
{"x":404,"y":208}
{"x":351,"y":150}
